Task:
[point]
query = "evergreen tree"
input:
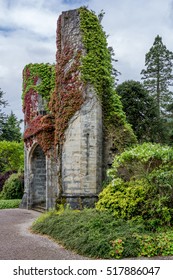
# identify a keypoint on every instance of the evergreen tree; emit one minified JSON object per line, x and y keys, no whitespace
{"x":11,"y":129}
{"x":3,"y":104}
{"x":9,"y":125}
{"x":141,"y":111}
{"x":158,"y":75}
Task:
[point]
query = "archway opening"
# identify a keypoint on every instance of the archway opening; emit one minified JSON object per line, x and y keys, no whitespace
{"x":38,"y":184}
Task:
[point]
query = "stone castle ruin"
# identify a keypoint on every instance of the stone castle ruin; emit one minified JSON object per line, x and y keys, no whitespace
{"x":74,"y":123}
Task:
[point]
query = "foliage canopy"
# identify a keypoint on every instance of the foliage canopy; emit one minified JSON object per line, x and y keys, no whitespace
{"x":11,"y":156}
{"x":141,"y":111}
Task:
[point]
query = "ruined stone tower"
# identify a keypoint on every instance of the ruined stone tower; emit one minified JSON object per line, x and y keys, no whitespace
{"x":67,"y":147}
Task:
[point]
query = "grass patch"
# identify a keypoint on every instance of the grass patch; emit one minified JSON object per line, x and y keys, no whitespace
{"x":9,"y":203}
{"x":98,"y":234}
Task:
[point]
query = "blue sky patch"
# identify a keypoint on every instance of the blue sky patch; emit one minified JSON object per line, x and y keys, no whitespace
{"x":6,"y":30}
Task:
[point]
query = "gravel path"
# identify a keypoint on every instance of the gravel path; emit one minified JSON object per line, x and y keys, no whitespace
{"x":18,"y":243}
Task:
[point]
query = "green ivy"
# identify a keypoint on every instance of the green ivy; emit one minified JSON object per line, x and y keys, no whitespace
{"x":38,"y":79}
{"x":96,"y":69}
{"x":44,"y":72}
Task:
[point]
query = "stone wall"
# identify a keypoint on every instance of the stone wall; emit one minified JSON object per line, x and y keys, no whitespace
{"x":82,"y":153}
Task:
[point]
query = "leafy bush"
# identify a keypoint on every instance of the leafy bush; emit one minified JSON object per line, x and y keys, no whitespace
{"x":141,"y":185}
{"x":155,"y":244}
{"x":4,"y":177}
{"x":98,"y":234}
{"x":11,"y":203}
{"x":13,"y":187}
{"x":122,"y":199}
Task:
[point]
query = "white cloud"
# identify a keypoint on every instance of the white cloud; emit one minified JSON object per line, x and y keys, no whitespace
{"x":28,"y":34}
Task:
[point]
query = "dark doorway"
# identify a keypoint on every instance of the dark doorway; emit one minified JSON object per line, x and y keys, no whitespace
{"x":38,"y":184}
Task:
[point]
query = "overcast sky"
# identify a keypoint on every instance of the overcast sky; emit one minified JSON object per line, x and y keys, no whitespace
{"x":28,"y":30}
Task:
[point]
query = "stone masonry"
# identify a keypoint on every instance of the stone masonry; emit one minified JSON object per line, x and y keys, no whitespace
{"x":75,"y":172}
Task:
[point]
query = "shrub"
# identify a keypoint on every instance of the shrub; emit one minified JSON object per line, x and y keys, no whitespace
{"x":4,"y":177}
{"x":13,"y":187}
{"x":122,"y":199}
{"x":141,"y":185}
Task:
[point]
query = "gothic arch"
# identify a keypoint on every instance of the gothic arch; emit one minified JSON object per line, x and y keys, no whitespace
{"x":37,"y":188}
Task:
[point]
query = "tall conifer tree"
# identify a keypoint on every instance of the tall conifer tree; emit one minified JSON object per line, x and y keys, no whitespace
{"x":11,"y":129}
{"x":158,"y":76}
{"x":3,"y":104}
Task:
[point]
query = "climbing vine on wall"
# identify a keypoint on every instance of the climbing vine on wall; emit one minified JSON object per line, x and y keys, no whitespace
{"x":96,"y":69}
{"x":38,"y":77}
{"x":67,"y":97}
{"x":41,"y":129}
{"x":38,"y":80}
{"x":30,"y":105}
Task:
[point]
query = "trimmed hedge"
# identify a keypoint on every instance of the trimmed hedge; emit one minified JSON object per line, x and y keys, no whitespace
{"x":10,"y":203}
